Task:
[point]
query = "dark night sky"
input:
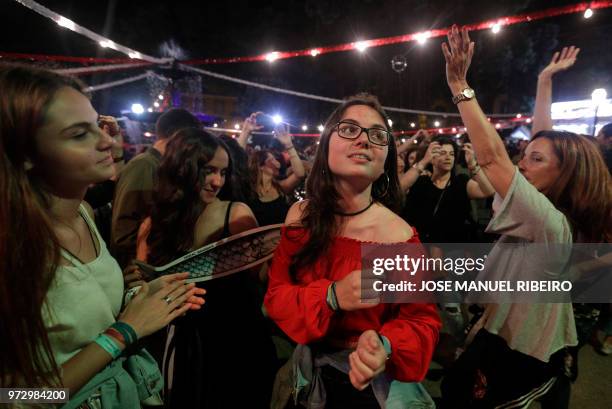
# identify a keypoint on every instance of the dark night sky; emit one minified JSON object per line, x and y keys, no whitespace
{"x":503,"y":72}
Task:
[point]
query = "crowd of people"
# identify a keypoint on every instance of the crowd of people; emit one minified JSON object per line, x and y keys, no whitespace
{"x":75,"y":313}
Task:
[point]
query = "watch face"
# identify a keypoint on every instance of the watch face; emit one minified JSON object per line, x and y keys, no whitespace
{"x":468,"y":93}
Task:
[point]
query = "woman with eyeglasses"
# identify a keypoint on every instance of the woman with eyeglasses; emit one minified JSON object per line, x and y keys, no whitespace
{"x":314,"y":292}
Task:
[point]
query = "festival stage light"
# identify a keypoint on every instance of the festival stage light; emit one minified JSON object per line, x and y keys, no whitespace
{"x":314,"y":52}
{"x":237,"y":126}
{"x":134,"y":54}
{"x":519,"y":116}
{"x":215,"y":125}
{"x":149,"y":109}
{"x":495,"y":28}
{"x":361,"y":46}
{"x":421,"y":37}
{"x":277,"y":119}
{"x":273,"y":56}
{"x":137,"y":108}
{"x":437,"y":124}
{"x":390,"y":122}
{"x":412,"y":124}
{"x":156,"y":104}
{"x":160,"y":97}
{"x":304,"y":127}
{"x":497,"y":126}
{"x":599,"y":95}
{"x":320,"y":128}
{"x":588,"y":13}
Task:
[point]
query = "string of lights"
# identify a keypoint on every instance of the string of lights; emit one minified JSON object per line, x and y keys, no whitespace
{"x":494,"y":25}
{"x":101,"y":40}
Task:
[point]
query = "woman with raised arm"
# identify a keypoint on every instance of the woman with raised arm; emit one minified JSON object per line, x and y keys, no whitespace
{"x":314,"y":292}
{"x":271,"y":204}
{"x":438,"y":204}
{"x":560,"y":193}
{"x":61,"y":315}
{"x":561,"y":61}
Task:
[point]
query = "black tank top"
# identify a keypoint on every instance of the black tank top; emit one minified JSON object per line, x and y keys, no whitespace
{"x":272,"y":212}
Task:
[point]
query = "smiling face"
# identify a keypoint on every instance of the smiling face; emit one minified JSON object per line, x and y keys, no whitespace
{"x":358,"y":158}
{"x":540,"y":164}
{"x":214,"y":172}
{"x":72,"y":152}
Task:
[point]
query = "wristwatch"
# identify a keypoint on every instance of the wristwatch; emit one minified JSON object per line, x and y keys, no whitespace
{"x":465,"y":95}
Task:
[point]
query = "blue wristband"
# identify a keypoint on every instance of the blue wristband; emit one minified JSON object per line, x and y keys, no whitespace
{"x":109,"y":345}
{"x":127,"y":331}
{"x":332,"y":299}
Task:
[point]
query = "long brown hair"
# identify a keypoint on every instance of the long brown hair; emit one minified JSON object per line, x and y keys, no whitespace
{"x":319,"y":217}
{"x":256,"y":161}
{"x":29,"y":249}
{"x":583,"y":191}
{"x":176,"y":196}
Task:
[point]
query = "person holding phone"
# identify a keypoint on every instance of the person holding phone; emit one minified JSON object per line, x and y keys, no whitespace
{"x":271,"y":205}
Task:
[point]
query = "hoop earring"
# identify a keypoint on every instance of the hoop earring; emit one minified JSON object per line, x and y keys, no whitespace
{"x":386,"y":186}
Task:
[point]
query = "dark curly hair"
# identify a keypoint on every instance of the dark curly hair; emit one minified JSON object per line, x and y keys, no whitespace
{"x":176,"y":196}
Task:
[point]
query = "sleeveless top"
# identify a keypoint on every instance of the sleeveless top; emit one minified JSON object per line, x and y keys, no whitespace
{"x":208,"y":349}
{"x":272,"y":212}
{"x":83,"y":299}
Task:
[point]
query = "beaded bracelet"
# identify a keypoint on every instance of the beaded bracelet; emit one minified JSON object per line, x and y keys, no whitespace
{"x":106,"y":343}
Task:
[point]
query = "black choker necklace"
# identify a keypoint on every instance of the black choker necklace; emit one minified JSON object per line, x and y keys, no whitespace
{"x":357,"y":212}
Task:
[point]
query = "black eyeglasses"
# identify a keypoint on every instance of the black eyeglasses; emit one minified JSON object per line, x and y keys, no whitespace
{"x":349,"y":130}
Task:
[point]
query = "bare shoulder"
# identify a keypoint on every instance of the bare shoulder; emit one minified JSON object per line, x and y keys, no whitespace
{"x":294,"y":215}
{"x":241,"y":218}
{"x":401,"y":231}
{"x":88,"y":208}
{"x":240,"y":209}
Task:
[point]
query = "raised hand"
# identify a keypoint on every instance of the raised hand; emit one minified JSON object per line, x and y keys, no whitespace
{"x":250,"y":124}
{"x":367,"y":361}
{"x":282,"y":134}
{"x":470,"y":156}
{"x":110,"y":126}
{"x":560,"y":61}
{"x":458,"y":54}
{"x":433,"y":150}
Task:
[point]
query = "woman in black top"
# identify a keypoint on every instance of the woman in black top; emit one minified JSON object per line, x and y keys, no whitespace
{"x":438,"y":205}
{"x":210,"y":352}
{"x":271,"y":206}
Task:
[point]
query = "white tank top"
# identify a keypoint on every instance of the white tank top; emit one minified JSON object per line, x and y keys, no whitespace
{"x":83,"y":299}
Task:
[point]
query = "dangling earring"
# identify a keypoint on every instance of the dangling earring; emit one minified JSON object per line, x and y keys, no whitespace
{"x":386,"y":186}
